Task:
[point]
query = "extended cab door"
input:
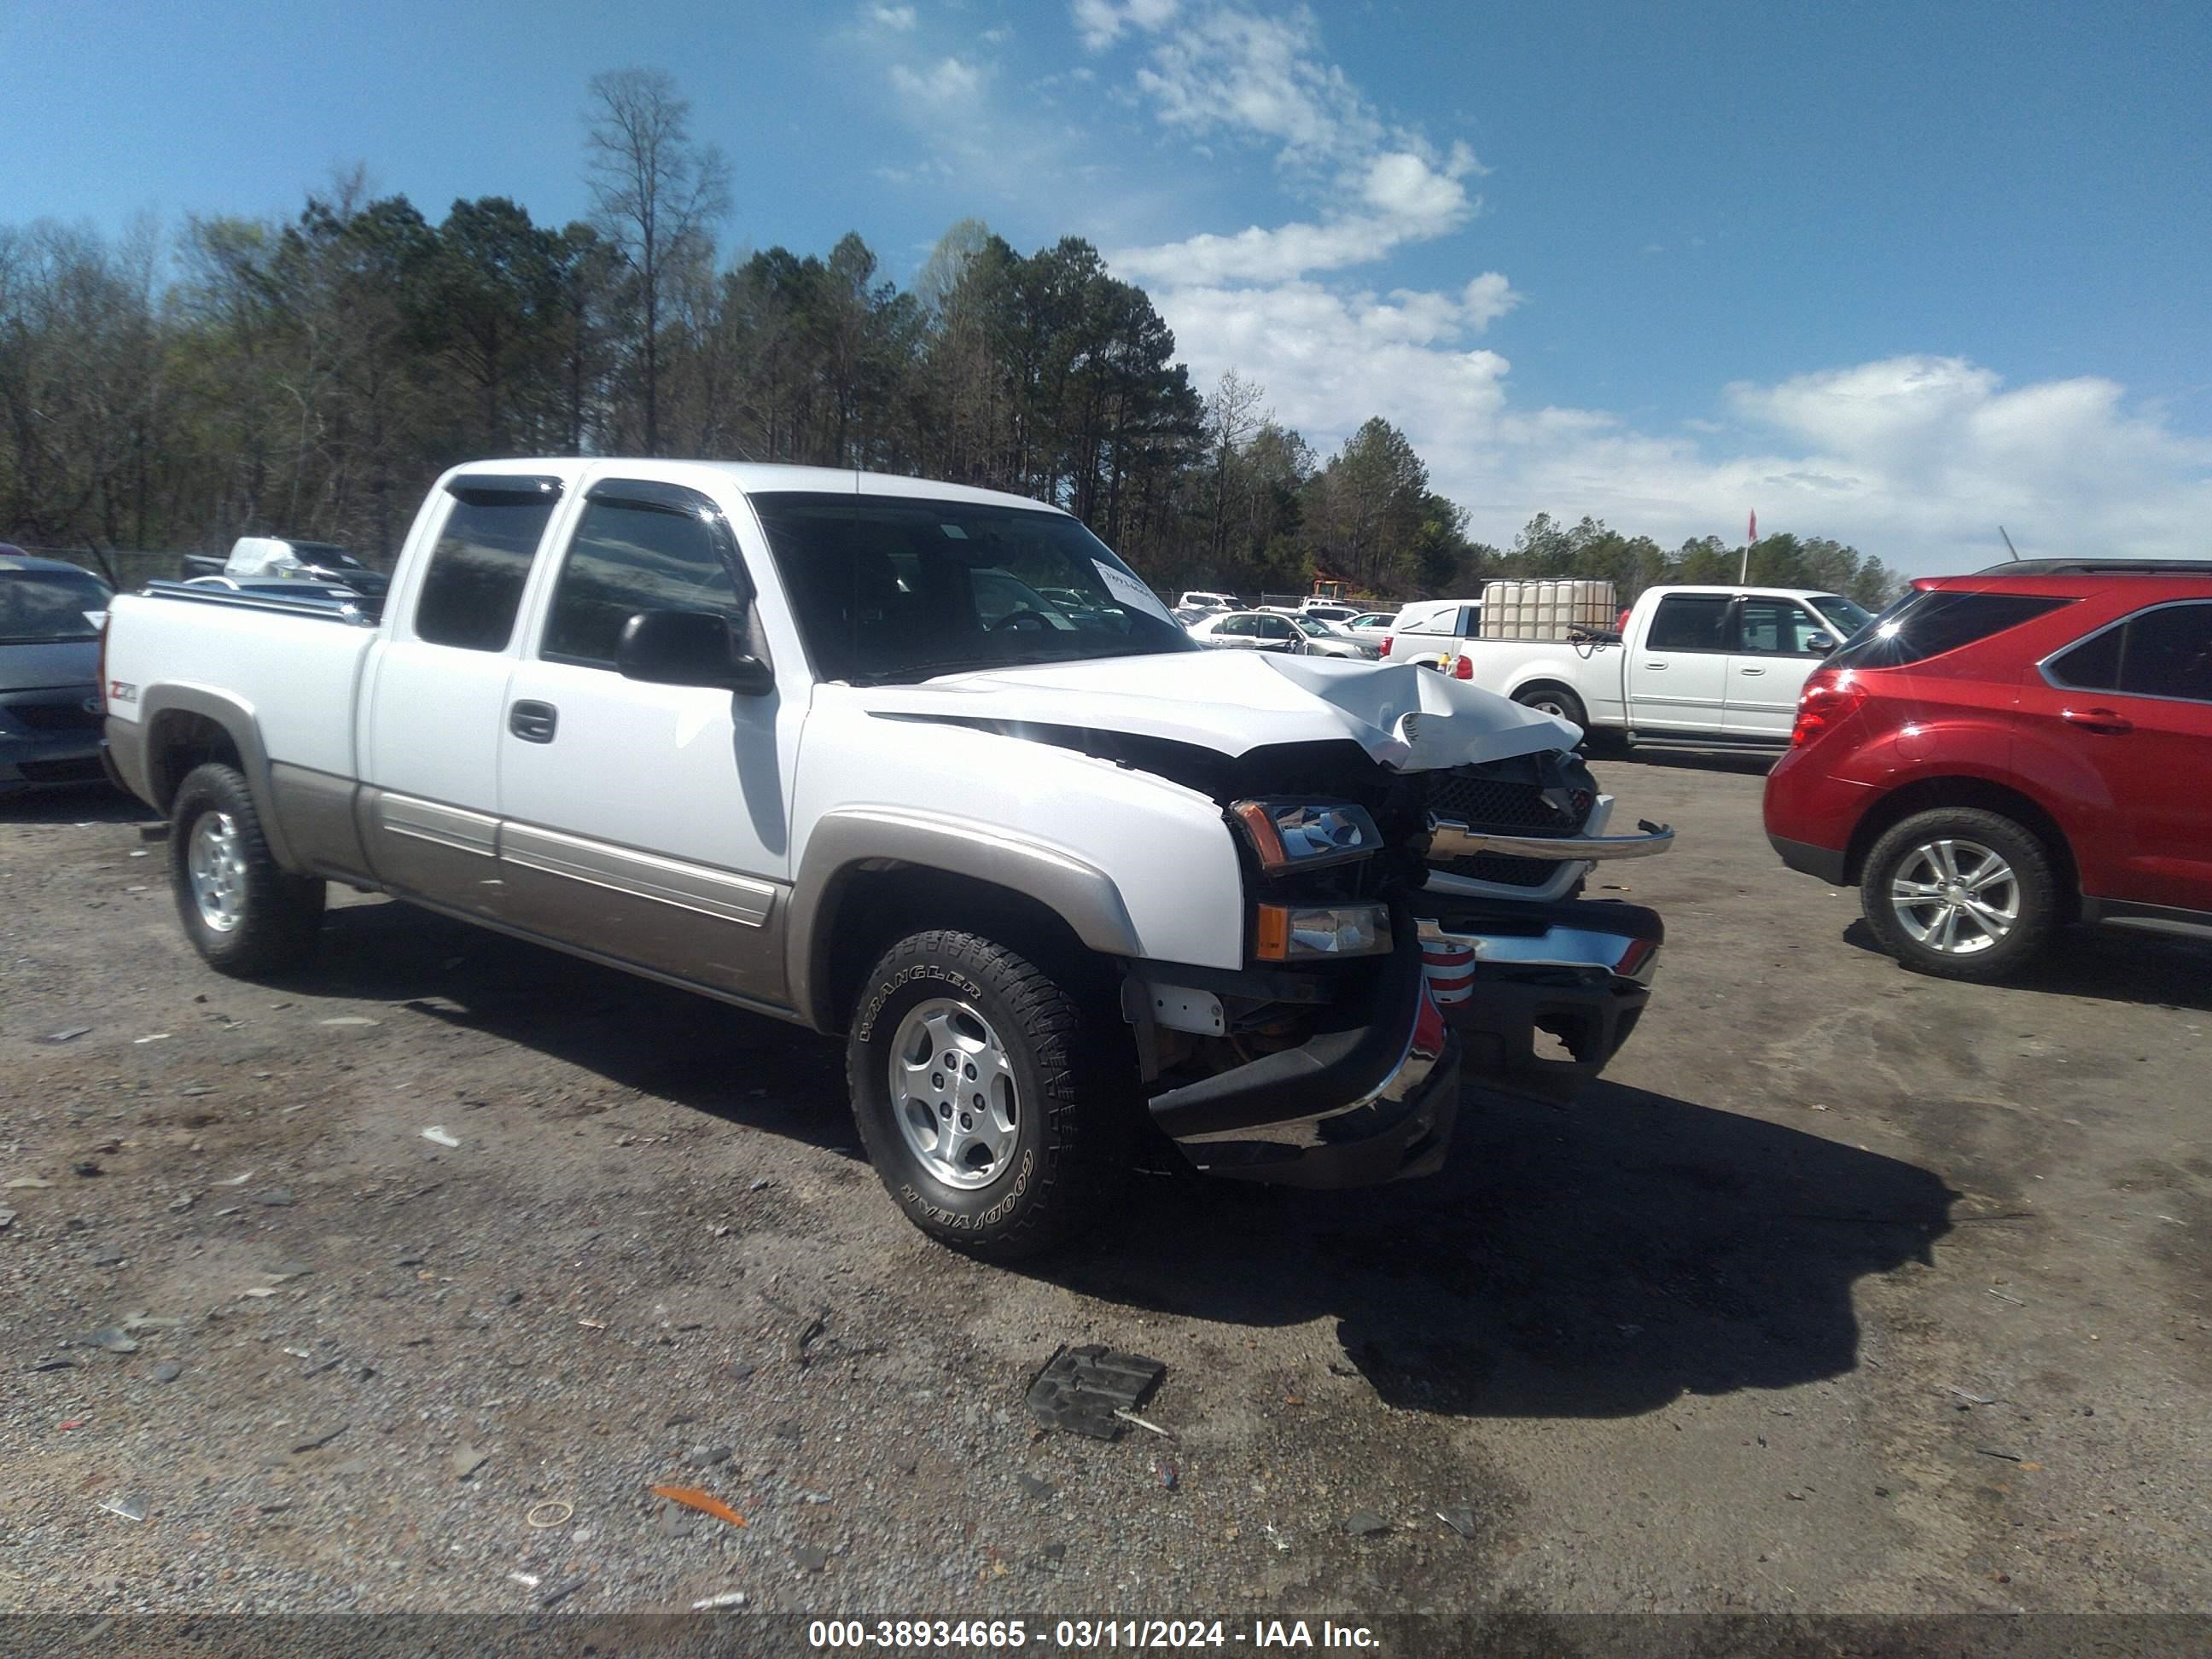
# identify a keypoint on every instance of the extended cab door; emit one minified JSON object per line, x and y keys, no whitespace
{"x":2134,"y":702}
{"x":434,"y":698}
{"x":1676,"y":674}
{"x":1778,"y":643}
{"x":644,"y":822}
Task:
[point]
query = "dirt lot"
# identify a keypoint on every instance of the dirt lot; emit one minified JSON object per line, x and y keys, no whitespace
{"x":1848,"y":1290}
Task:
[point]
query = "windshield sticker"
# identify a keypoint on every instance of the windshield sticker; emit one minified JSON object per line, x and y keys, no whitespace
{"x":1131,"y":591}
{"x":955,"y":532}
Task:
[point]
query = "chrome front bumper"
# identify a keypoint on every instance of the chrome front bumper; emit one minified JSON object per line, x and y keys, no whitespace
{"x":1449,"y":838}
{"x":1578,"y":972}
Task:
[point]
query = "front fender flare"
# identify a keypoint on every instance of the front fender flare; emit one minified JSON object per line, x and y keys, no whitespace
{"x":845,"y":841}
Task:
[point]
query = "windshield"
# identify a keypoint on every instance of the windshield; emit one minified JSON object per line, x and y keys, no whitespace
{"x":898,"y":587}
{"x":38,"y":607}
{"x":1848,"y":615}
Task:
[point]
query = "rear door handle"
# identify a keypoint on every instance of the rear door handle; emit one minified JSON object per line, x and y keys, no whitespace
{"x":1753,"y":671}
{"x":2098,"y":719}
{"x":532,"y":721}
{"x":1655,"y":665}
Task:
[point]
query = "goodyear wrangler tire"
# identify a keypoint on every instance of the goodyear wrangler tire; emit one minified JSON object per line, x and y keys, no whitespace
{"x":998,"y":1109}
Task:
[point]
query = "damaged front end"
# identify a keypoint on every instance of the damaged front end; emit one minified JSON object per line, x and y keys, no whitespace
{"x":1406,"y":929}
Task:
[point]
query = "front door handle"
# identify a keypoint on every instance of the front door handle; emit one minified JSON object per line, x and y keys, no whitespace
{"x":1655,"y":665}
{"x":533,"y":722}
{"x":2105,"y":720}
{"x":1753,"y":671}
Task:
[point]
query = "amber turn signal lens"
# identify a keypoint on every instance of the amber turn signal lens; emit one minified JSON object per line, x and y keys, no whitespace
{"x":1272,"y":934}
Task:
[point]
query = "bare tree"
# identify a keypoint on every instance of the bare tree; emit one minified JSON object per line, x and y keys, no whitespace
{"x":656,"y":195}
{"x":1232,"y":415}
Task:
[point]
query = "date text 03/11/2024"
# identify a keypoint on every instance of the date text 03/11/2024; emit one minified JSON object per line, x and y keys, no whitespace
{"x":1084,"y":1634}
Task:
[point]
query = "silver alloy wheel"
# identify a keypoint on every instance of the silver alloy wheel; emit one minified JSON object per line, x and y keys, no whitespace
{"x":1544,"y":703}
{"x":1957,"y":898}
{"x":216,"y":863}
{"x":952,"y":1089}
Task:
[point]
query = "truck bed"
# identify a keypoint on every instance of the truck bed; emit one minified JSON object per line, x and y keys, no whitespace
{"x":295,"y":663}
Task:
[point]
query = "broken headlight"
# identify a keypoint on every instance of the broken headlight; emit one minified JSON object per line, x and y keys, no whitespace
{"x":1303,"y":835}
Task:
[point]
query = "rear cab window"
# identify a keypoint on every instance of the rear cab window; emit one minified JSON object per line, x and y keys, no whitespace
{"x":1689,"y":622}
{"x":1934,"y":621}
{"x":472,"y":587}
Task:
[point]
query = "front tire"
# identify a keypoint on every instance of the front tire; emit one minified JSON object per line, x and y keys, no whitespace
{"x":1960,"y":893}
{"x":999,"y":1114}
{"x":245,"y":915}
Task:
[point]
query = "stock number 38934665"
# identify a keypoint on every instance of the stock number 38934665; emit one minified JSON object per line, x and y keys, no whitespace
{"x":1075,"y":1634}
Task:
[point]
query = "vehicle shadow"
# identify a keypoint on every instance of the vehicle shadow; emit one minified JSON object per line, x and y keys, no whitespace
{"x":2102,"y":966}
{"x":76,"y":803}
{"x":1595,"y":1260}
{"x":744,"y":1068}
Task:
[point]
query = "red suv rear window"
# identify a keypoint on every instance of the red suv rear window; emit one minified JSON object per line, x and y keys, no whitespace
{"x":1928,"y":622}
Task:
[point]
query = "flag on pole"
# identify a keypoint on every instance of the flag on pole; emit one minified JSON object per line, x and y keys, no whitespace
{"x":1752,"y":534}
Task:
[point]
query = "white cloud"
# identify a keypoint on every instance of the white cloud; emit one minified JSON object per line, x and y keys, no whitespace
{"x":948,"y":82}
{"x":901,"y":18}
{"x":1100,"y":22}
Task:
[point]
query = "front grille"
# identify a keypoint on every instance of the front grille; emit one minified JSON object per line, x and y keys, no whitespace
{"x":1502,"y":868}
{"x":57,"y":716}
{"x":1503,"y":803}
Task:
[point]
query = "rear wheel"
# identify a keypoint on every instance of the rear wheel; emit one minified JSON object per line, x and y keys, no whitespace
{"x":243,"y":913}
{"x":1555,"y":700}
{"x":1960,"y":893}
{"x":998,"y":1114}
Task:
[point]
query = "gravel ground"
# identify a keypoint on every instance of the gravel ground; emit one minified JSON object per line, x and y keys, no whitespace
{"x":1845,"y":1291}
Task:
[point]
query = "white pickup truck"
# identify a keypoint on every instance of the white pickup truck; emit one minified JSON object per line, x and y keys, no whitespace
{"x":756,"y":731}
{"x":1717,"y":666}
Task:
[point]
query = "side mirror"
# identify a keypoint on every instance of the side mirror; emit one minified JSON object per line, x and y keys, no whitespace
{"x":690,"y":647}
{"x":1822,"y":644}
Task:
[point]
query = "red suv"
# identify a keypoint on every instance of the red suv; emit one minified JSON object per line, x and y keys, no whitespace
{"x":1997,"y":755}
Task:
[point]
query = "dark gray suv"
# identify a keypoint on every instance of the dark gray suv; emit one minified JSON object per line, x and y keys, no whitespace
{"x":50,"y":712}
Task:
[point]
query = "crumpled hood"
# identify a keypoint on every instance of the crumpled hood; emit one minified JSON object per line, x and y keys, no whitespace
{"x":1409,"y":719}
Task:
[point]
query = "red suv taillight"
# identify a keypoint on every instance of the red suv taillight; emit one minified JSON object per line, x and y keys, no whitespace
{"x":1386,"y":644}
{"x":1462,"y":668}
{"x":1829,"y":696}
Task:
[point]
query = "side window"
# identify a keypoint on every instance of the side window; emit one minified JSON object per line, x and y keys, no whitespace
{"x":1776,"y":628}
{"x":473,"y":585}
{"x":1689,"y":622}
{"x":1235,"y":626}
{"x":2092,"y":666}
{"x":1278,"y":628}
{"x":2169,"y":653}
{"x":626,"y":558}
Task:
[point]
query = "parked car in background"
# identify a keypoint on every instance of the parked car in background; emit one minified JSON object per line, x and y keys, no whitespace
{"x":1325,"y":639}
{"x":1200,"y":600}
{"x":1250,"y":630}
{"x":1378,"y":622}
{"x":1712,"y":666}
{"x":1332,"y":610}
{"x":50,"y":713}
{"x":1432,"y":632}
{"x":2004,"y":753}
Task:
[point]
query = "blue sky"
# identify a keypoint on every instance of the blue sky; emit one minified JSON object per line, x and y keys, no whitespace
{"x":1891,"y":272}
